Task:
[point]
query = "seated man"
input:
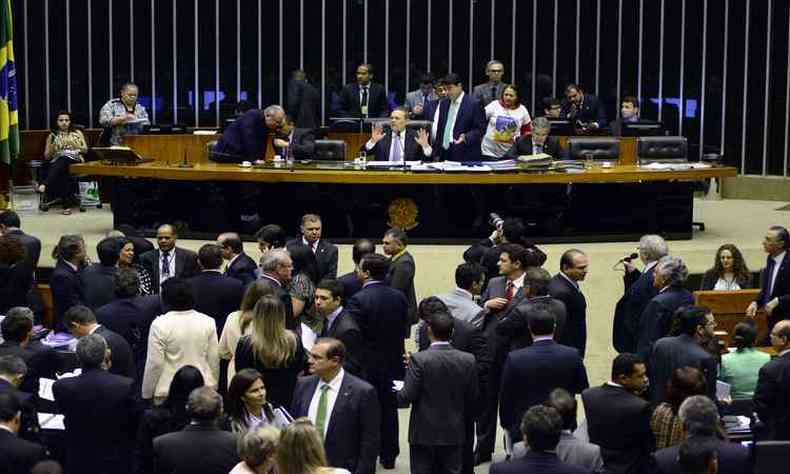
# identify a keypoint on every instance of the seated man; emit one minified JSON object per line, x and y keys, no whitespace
{"x":538,"y":142}
{"x":246,"y":138}
{"x":294,"y":142}
{"x":629,"y":113}
{"x":400,"y":143}
{"x":552,"y":108}
{"x":585,"y":110}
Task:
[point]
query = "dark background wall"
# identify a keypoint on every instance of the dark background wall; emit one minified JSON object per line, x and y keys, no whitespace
{"x":725,"y":61}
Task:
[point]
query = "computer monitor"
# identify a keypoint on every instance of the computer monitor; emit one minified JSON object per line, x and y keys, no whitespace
{"x":562,"y":128}
{"x":642,"y":128}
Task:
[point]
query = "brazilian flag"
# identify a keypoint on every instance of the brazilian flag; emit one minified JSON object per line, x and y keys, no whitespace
{"x":9,"y":115}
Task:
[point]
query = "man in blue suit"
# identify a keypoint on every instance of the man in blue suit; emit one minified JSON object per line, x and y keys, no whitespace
{"x":458,"y":129}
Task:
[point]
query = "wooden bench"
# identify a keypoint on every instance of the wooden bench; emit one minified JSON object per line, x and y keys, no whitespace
{"x":729,"y":308}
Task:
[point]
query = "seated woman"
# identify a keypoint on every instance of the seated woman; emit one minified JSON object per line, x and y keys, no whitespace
{"x":665,"y":423}
{"x":245,"y":404}
{"x":729,"y":271}
{"x":507,"y":120}
{"x":303,"y":283}
{"x":301,"y":450}
{"x":65,"y":145}
{"x":538,"y":142}
{"x":126,"y":260}
{"x":740,"y":368}
{"x":256,"y":449}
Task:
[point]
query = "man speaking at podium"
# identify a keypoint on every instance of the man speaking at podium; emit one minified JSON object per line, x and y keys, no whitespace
{"x":247,"y":137}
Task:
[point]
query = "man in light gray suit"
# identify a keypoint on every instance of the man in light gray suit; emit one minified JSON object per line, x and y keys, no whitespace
{"x":469,"y":280}
{"x":415,"y":100}
{"x":491,"y":90}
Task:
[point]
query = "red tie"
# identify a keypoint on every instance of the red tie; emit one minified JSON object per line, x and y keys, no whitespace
{"x":509,"y":290}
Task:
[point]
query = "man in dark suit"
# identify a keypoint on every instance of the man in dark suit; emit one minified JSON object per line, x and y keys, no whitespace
{"x":565,"y":287}
{"x":656,"y":320}
{"x":441,"y":383}
{"x":248,"y":136}
{"x":542,"y":426}
{"x":276,"y":270}
{"x":459,"y":128}
{"x":96,"y":279}
{"x":585,"y":110}
{"x":774,"y":296}
{"x":430,"y":107}
{"x":382,"y":315}
{"x":41,"y":361}
{"x":325,"y":252}
{"x":670,"y":353}
{"x":169,"y":260}
{"x":772,"y":395}
{"x":530,"y":374}
{"x":538,"y":142}
{"x":100,"y":411}
{"x":363,"y":98}
{"x":618,"y":418}
{"x":65,"y":280}
{"x":701,"y":421}
{"x":350,"y":418}
{"x":18,"y":455}
{"x":81,"y":322}
{"x":400,"y":143}
{"x":402,"y":268}
{"x":10,"y":226}
{"x":201,"y":447}
{"x":12,"y":372}
{"x":350,"y":281}
{"x":338,"y":324}
{"x":293,"y":142}
{"x":216,"y":295}
{"x":240,"y":265}
{"x":303,"y":101}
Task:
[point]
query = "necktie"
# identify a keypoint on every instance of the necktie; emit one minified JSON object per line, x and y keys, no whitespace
{"x":397,"y":150}
{"x":364,"y":101}
{"x":493,"y":94}
{"x":165,"y":264}
{"x":770,"y":275}
{"x":509,"y":290}
{"x":320,"y":416}
{"x":448,"y":126}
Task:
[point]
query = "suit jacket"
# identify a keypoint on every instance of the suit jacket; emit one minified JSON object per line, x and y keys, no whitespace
{"x":515,"y":326}
{"x":351,"y":285}
{"x":352,"y":434}
{"x":442,"y":386}
{"x":41,"y":361}
{"x":571,"y":450}
{"x":412,"y":151}
{"x":382,"y":315}
{"x":216,"y":295}
{"x":535,"y":462}
{"x":470,"y":121}
{"x":670,"y":353}
{"x":772,"y":397}
{"x":345,"y":328}
{"x":243,"y":269}
{"x":244,"y":139}
{"x":302,"y":144}
{"x":462,"y":307}
{"x":638,"y":292}
{"x":523,"y":146}
{"x":325,"y":255}
{"x":97,"y":287}
{"x":575,"y":332}
{"x":16,"y":285}
{"x":656,"y":320}
{"x":415,"y":98}
{"x":483,"y":95}
{"x":591,"y":110}
{"x":619,"y":422}
{"x":498,"y":345}
{"x":733,"y":459}
{"x":284,"y":296}
{"x":66,"y":291}
{"x":122,"y":359}
{"x":29,"y":428}
{"x":530,"y":374}
{"x":401,"y":277}
{"x":186,"y":265}
{"x":429,"y":109}
{"x":303,"y":104}
{"x":377,"y":101}
{"x":100,"y":411}
{"x":19,"y":455}
{"x":197,"y":449}
{"x":31,"y":243}
{"x":781,"y":290}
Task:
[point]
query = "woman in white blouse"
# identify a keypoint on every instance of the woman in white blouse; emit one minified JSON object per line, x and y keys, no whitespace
{"x":729,"y":271}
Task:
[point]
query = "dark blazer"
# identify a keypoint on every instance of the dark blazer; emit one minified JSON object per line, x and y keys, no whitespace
{"x":429,"y":109}
{"x":535,"y":462}
{"x":243,"y":269}
{"x":325,"y":255}
{"x":302,"y":144}
{"x":670,"y":353}
{"x":303,"y":104}
{"x":216,"y":295}
{"x":575,"y":332}
{"x":97,"y":288}
{"x":619,"y":422}
{"x":41,"y":361}
{"x":197,"y":449}
{"x":382,"y":314}
{"x":122,"y":359}
{"x":352,"y":434}
{"x":401,"y":277}
{"x":16,"y":285}
{"x":18,"y":455}
{"x":530,"y":374}
{"x":345,"y":328}
{"x":638,"y":292}
{"x":31,"y":243}
{"x":656,"y":319}
{"x":66,"y":291}
{"x":244,"y":139}
{"x":515,"y":326}
{"x":470,"y":121}
{"x":772,"y":397}
{"x":441,"y":384}
{"x":155,"y":422}
{"x":592,"y":110}
{"x":100,"y":411}
{"x":377,"y":101}
{"x":523,"y":146}
{"x":733,"y":459}
{"x":498,"y":344}
{"x":412,"y":150}
{"x":710,"y":277}
{"x":781,"y":290}
{"x":186,"y":265}
{"x":280,"y":381}
{"x":351,"y":285}
{"x":29,"y":427}
{"x":284,"y":296}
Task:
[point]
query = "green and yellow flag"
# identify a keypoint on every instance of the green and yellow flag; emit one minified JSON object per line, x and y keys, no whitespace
{"x":9,"y":115}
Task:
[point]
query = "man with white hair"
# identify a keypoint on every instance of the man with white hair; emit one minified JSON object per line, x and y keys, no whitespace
{"x":247,"y":137}
{"x":276,"y":270}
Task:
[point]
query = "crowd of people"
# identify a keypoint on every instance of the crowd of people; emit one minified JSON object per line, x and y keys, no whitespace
{"x":209,"y":362}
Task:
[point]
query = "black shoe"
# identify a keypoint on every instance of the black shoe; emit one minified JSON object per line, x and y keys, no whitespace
{"x":388,"y":464}
{"x":481,"y":458}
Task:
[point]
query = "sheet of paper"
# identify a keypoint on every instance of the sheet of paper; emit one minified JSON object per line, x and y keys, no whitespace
{"x":45,"y":389}
{"x":49,"y":421}
{"x":397,"y":385}
{"x":66,"y":375}
{"x":308,"y":337}
{"x":723,"y":391}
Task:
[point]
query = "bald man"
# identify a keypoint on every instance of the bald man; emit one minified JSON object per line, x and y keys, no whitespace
{"x":168,"y":260}
{"x":772,"y":395}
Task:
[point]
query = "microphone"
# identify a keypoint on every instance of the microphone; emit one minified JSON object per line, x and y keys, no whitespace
{"x":625,"y":260}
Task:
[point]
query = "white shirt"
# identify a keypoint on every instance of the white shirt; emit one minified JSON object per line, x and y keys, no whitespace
{"x":331,"y":397}
{"x":73,"y":267}
{"x":504,"y":126}
{"x":518,"y":283}
{"x":313,"y":246}
{"x":171,"y":256}
{"x":777,"y":263}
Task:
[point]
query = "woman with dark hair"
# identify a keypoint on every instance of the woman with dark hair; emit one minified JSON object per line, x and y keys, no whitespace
{"x":168,"y":417}
{"x":729,"y":271}
{"x":245,"y":404}
{"x":16,"y":275}
{"x":303,"y":283}
{"x":65,"y":145}
{"x":740,"y":369}
{"x":666,"y":425}
{"x":507,"y":120}
{"x":270,"y":237}
{"x":126,"y":260}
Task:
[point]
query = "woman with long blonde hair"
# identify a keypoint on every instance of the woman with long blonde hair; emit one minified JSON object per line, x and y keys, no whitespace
{"x":272,"y":350}
{"x":301,"y":450}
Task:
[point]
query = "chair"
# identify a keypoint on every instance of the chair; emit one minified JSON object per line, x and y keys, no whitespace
{"x":771,"y":457}
{"x":418,"y":124}
{"x":599,"y":148}
{"x":329,"y":150}
{"x":662,"y":149}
